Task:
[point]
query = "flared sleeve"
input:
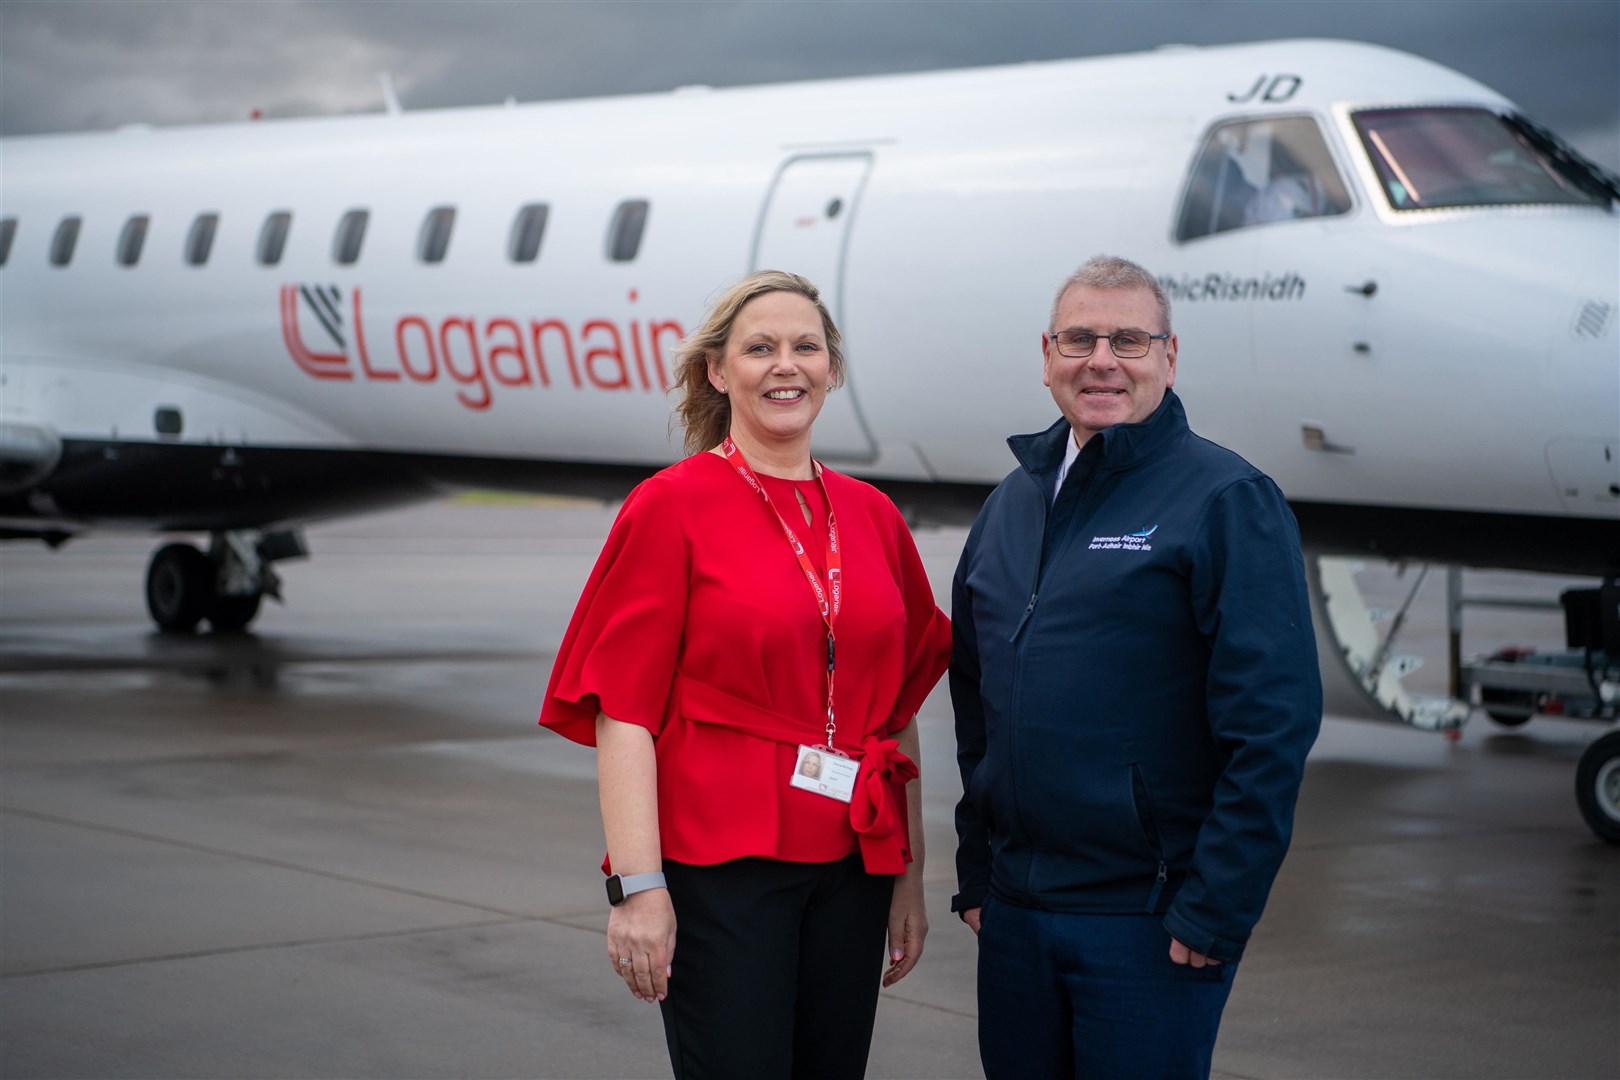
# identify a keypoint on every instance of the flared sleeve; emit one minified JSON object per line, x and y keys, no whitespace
{"x":928,"y":630}
{"x":619,"y":653}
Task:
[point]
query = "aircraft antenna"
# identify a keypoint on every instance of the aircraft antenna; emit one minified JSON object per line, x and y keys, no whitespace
{"x":390,"y":97}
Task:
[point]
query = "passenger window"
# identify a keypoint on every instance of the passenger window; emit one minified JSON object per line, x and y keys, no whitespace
{"x":8,"y":233}
{"x":66,"y":236}
{"x":624,"y":236}
{"x":434,"y":240}
{"x":528,"y":228}
{"x":351,"y":233}
{"x":1251,"y":172}
{"x":200,"y":239}
{"x":132,"y":239}
{"x":273,"y":237}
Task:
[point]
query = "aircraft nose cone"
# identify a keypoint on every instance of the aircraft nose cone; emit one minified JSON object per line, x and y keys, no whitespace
{"x":1592,"y":318}
{"x":1598,"y":292}
{"x":1583,"y":455}
{"x":1594,"y":310}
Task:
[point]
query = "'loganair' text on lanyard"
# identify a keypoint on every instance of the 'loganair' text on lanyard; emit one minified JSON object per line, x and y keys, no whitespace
{"x":829,"y":597}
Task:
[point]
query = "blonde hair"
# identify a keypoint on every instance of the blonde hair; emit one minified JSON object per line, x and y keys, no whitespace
{"x":704,"y":412}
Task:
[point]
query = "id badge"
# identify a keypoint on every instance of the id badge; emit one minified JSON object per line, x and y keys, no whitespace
{"x":824,"y":772}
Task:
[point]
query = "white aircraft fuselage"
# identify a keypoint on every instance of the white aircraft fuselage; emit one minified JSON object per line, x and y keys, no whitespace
{"x":1429,"y":373}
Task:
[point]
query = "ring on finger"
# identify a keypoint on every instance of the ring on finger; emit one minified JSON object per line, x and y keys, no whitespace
{"x":624,"y":961}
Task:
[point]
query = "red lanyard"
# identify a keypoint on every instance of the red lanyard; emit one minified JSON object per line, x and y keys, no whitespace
{"x":829,"y":598}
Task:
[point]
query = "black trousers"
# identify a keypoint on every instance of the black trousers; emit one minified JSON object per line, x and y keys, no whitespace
{"x":777,"y":967}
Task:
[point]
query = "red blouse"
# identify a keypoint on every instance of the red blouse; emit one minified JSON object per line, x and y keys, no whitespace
{"x":697,"y":624}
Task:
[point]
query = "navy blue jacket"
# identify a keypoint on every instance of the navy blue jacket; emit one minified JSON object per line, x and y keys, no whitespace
{"x":1135,"y":693}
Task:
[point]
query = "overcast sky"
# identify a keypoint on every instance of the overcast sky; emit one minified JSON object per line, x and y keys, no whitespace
{"x":69,"y":65}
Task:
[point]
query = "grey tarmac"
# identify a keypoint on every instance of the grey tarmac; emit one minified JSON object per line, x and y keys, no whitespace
{"x":339,"y":846}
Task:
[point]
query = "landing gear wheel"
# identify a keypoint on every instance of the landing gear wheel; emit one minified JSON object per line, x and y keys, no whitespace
{"x":1514,"y":700}
{"x":1597,"y":787}
{"x":230,"y":613}
{"x":1507,"y":719}
{"x":179,"y":587}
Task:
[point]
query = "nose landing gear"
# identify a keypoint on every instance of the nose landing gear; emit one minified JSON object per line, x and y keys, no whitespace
{"x":225,"y":585}
{"x":1597,"y":786}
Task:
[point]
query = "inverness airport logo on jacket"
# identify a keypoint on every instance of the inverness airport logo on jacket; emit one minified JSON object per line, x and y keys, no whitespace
{"x":1136,"y":541}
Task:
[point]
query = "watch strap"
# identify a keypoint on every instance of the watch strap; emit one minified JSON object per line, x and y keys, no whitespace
{"x":630,"y":884}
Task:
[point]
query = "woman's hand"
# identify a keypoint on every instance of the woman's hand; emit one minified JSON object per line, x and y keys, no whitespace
{"x":908,"y":925}
{"x":642,"y":931}
{"x":908,"y":922}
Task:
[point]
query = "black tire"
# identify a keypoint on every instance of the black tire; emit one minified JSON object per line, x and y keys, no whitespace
{"x":1597,"y":787}
{"x":231,"y":613}
{"x":179,"y":588}
{"x":1517,"y":698}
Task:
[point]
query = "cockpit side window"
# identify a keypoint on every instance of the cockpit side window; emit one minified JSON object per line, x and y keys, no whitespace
{"x":1252,"y":172}
{"x":1431,"y":158}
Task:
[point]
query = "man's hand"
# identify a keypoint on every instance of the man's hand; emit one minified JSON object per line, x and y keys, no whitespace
{"x":971,"y":917}
{"x":1180,"y":954}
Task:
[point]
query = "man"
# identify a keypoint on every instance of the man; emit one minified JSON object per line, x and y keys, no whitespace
{"x":1135,"y":686}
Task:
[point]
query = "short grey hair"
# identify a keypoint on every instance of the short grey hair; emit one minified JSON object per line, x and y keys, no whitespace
{"x":1113,"y":272}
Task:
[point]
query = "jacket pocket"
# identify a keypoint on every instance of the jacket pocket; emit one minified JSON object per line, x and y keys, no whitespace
{"x":1142,"y":800}
{"x":1085,"y":814}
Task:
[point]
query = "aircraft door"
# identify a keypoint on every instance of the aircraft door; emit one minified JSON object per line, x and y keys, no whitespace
{"x":804,"y":228}
{"x":1273,"y":181}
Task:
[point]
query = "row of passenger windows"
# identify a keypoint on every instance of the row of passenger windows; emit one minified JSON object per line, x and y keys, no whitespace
{"x":432,"y":239}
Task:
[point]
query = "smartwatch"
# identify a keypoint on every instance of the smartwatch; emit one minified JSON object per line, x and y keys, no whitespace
{"x":629,"y":884}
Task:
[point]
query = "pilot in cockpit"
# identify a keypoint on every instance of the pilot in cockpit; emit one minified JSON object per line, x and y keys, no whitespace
{"x":1290,"y":191}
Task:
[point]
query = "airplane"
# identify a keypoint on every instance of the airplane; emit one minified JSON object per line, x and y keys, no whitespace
{"x":1396,"y":295}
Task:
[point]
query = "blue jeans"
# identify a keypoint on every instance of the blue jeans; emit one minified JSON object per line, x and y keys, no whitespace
{"x":1092,"y":996}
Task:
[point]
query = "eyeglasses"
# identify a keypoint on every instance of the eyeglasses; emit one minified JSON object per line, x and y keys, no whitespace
{"x":1127,"y":344}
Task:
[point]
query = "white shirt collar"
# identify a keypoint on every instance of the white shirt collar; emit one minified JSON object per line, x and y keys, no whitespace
{"x":1071,"y":451}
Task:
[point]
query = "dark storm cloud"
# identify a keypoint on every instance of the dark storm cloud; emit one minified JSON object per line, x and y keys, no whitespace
{"x":69,"y":65}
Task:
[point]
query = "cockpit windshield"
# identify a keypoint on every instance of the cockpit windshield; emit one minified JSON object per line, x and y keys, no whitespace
{"x":1429,"y":158}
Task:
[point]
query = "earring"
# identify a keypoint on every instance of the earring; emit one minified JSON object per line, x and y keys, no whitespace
{"x":722,"y":389}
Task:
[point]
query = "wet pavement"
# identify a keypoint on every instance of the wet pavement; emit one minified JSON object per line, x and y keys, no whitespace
{"x":339,"y":847}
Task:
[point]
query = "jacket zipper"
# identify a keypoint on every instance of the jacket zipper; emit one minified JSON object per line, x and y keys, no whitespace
{"x":1029,"y":609}
{"x":1150,"y":829}
{"x":1017,"y":697}
{"x":1082,"y":511}
{"x":1158,"y":888}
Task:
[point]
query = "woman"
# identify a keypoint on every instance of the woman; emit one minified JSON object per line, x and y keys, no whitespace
{"x":751,"y":609}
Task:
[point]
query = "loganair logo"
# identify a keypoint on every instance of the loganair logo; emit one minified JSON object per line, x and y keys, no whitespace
{"x":477,"y":357}
{"x":1136,"y":541}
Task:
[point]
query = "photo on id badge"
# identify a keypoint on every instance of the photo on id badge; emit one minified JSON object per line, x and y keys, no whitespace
{"x":824,"y":772}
